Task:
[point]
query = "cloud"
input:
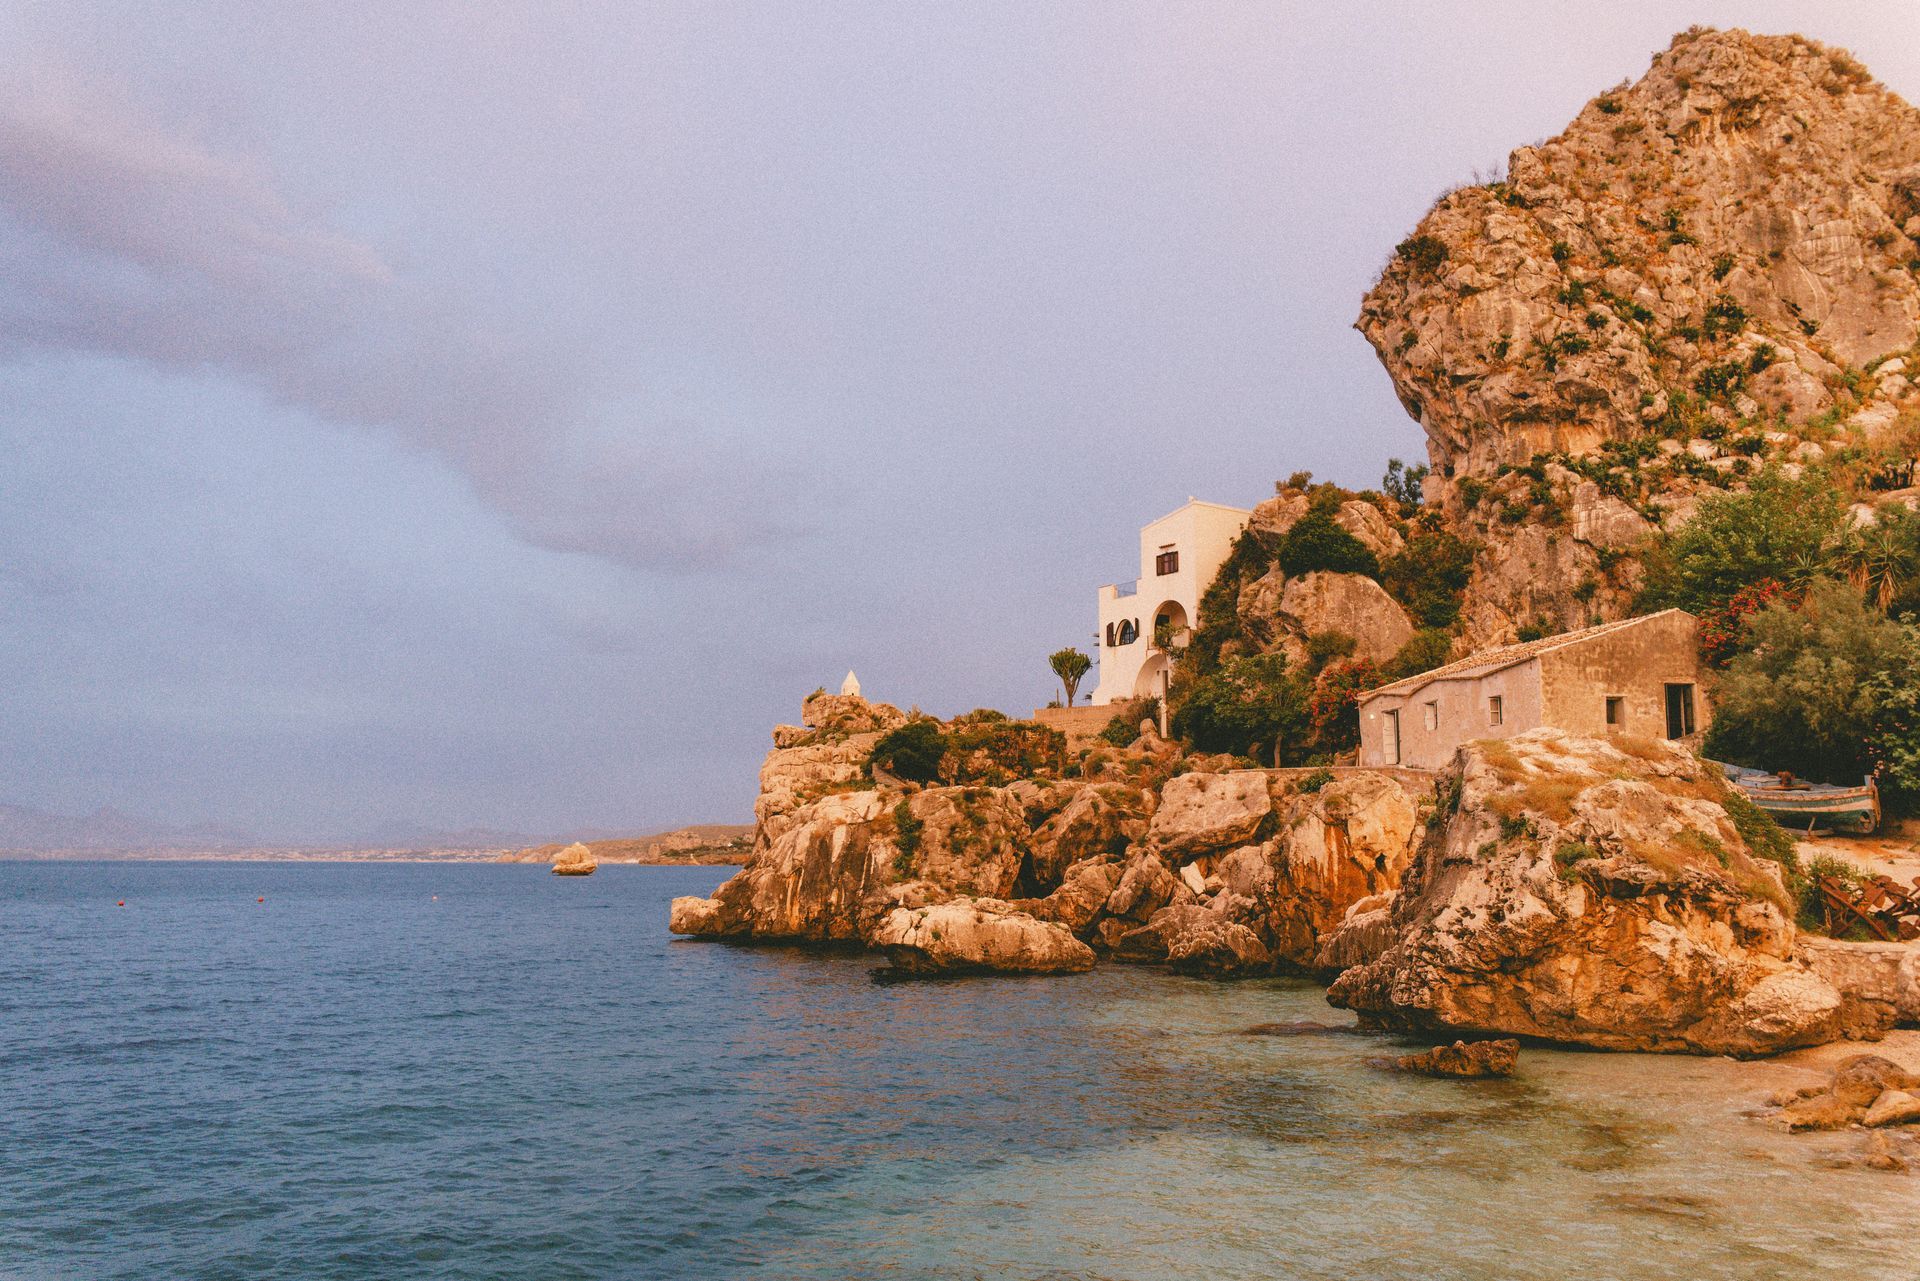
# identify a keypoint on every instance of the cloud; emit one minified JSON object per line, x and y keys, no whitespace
{"x":123,"y":237}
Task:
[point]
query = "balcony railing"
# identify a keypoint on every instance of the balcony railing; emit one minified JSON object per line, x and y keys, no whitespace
{"x":1127,"y":589}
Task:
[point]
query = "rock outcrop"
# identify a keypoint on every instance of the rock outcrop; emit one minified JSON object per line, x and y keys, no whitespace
{"x":1599,"y":894}
{"x":1711,"y":257}
{"x":575,"y":860}
{"x":963,"y":937}
{"x":1863,"y":1090}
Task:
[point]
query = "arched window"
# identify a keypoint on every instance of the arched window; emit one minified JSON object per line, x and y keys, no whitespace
{"x":1129,"y":631}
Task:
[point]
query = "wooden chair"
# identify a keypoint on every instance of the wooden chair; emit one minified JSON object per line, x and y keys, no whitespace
{"x":1842,"y":909}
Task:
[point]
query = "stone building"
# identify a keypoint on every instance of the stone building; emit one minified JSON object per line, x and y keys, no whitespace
{"x":1143,"y":622}
{"x":1639,"y":676}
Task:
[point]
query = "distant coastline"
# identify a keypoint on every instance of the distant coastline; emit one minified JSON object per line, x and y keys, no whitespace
{"x":712,"y":844}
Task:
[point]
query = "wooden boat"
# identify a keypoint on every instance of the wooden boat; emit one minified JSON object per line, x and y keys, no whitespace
{"x":575,"y":860}
{"x":1801,"y":806}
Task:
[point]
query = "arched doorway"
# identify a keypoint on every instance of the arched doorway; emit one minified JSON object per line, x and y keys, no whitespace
{"x":1153,"y":677}
{"x":1171,"y":627}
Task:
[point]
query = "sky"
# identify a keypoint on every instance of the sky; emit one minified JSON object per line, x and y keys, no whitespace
{"x":502,"y":414}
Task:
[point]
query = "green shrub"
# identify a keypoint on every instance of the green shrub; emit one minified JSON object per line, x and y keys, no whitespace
{"x":1245,"y":707}
{"x":907,"y":831}
{"x":1423,"y":254}
{"x":995,"y":752}
{"x":1570,"y":855}
{"x":1125,"y":725}
{"x":1426,"y":650}
{"x":912,"y":751}
{"x":1804,"y":695}
{"x":1780,"y":528}
{"x":1430,"y":576}
{"x":1316,"y":544}
{"x":1313,"y":780}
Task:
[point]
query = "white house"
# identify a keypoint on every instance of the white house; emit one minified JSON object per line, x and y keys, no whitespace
{"x":1143,"y":621}
{"x":1639,"y":676}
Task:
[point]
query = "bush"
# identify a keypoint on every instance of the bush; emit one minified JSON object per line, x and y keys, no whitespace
{"x":911,"y":752}
{"x":1780,"y":529}
{"x":1808,"y":695}
{"x":1125,"y":725}
{"x":1316,"y":544}
{"x":1332,"y":707}
{"x":1244,"y":707}
{"x":1430,"y":577}
{"x":995,"y":752}
{"x":1423,"y":254}
{"x":1313,"y":780}
{"x":1425,"y":651}
{"x":1723,"y":631}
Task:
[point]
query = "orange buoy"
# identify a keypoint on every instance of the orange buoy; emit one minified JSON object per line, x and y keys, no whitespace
{"x":261,"y":899}
{"x":121,"y":903}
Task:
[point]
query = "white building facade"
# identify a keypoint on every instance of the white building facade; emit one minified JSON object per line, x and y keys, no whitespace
{"x":1144,"y":622}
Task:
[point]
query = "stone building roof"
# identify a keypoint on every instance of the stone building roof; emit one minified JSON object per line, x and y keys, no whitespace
{"x":1489,"y":661}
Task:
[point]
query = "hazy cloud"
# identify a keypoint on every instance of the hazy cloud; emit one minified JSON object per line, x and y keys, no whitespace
{"x":121,"y":236}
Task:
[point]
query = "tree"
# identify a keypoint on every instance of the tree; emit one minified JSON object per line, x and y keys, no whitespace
{"x":1815,"y":692}
{"x":1781,"y":528}
{"x":1071,"y":666}
{"x":1244,"y":707}
{"x":1402,"y":483}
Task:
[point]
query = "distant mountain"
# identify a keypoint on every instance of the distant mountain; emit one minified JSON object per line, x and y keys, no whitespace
{"x":38,"y":831}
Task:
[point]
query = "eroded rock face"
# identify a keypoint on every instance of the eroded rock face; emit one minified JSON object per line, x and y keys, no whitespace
{"x":796,"y":776}
{"x":1099,"y":821}
{"x":1719,"y":249}
{"x":1770,"y":171}
{"x":964,"y":937}
{"x":1584,"y":893}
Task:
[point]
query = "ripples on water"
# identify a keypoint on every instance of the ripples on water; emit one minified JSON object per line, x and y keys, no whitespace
{"x":527,"y":1078}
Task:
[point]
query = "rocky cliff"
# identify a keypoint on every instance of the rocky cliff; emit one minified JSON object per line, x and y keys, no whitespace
{"x":1716,"y":265}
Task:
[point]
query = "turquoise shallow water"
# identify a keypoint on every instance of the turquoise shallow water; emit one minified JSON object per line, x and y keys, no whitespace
{"x":525,"y":1077}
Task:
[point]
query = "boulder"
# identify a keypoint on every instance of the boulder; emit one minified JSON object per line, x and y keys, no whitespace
{"x":1371,"y":526}
{"x":796,"y":776}
{"x":1893,"y":1107}
{"x":1464,"y":1058}
{"x":1853,"y":1093}
{"x":1082,"y":894}
{"x":1596,"y":893}
{"x":1146,"y":885}
{"x":836,"y":865}
{"x":1349,"y":603}
{"x":1879,"y":982}
{"x":960,"y":938}
{"x":1203,"y":813}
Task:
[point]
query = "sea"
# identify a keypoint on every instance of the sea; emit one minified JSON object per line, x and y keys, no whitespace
{"x":303,"y":1070}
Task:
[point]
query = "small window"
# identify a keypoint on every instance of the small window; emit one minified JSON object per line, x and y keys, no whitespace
{"x":1496,"y":713}
{"x":1390,"y":737}
{"x":1616,"y":711}
{"x":1166,"y":563}
{"x":1433,"y":715}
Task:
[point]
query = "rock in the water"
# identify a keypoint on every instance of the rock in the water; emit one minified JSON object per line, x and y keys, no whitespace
{"x":575,"y":860}
{"x":1579,"y":891}
{"x":960,"y":938}
{"x":1893,"y":1107}
{"x":1852,"y":1094}
{"x":1464,"y":1058}
{"x":1196,"y":940}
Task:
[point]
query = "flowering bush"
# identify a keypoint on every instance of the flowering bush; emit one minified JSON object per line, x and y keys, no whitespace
{"x":1723,"y":631}
{"x":1331,"y":707}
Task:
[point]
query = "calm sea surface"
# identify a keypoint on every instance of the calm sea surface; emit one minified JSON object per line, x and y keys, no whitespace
{"x":395,"y":1071}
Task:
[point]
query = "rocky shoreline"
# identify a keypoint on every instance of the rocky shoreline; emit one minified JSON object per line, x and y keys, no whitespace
{"x":1610,"y":895}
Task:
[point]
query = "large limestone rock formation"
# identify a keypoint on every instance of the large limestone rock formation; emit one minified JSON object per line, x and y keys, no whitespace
{"x":1718,"y":250}
{"x":964,"y":937}
{"x":1595,"y":893}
